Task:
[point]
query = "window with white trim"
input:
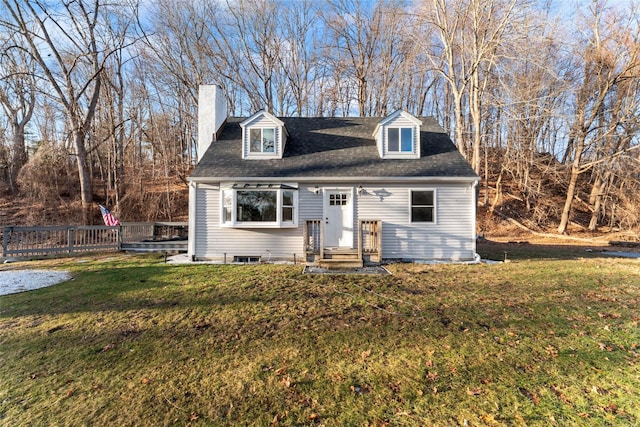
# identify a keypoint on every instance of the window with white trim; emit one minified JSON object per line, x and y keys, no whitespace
{"x":423,"y":205}
{"x":400,"y":140}
{"x":288,"y":206}
{"x":261,"y":205}
{"x":262,"y":140}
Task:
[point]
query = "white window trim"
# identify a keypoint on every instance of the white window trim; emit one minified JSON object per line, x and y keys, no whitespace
{"x":399,"y":153}
{"x":435,"y":206}
{"x":278,"y":223}
{"x":262,"y":152}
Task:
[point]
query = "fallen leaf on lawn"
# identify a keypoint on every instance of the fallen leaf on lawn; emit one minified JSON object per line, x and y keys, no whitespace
{"x":604,"y":346}
{"x":365,"y":354}
{"x":313,"y":416}
{"x":489,"y":419}
{"x":552,"y":350}
{"x":286,"y":381}
{"x":612,"y":408}
{"x":108,"y":347}
{"x":395,"y":386}
{"x":193,"y":416}
{"x":530,"y":395}
{"x":70,"y":392}
{"x":145,"y":380}
{"x":559,"y":394}
{"x":432,"y":376}
{"x":474,"y":391}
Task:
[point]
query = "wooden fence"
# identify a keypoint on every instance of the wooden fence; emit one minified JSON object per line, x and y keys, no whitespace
{"x":29,"y":241}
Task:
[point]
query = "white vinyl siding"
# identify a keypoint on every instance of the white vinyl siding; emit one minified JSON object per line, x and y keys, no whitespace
{"x":452,"y":237}
{"x":213,"y":241}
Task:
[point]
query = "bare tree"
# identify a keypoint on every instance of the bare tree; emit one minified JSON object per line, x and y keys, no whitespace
{"x":607,"y":98}
{"x":368,"y":48}
{"x":62,"y":40}
{"x":18,"y":99}
{"x":469,"y":34}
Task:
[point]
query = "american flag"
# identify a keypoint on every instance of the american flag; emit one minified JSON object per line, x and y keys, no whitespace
{"x":109,"y":219}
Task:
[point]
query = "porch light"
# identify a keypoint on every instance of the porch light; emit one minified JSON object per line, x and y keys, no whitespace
{"x":316,"y":190}
{"x":360,"y":190}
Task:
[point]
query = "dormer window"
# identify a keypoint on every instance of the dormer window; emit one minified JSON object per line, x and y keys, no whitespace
{"x":398,"y":136}
{"x":263,"y":137}
{"x":262,"y":140}
{"x":400,"y":140}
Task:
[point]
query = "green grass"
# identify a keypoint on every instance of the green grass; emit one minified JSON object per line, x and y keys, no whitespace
{"x":133,"y":341}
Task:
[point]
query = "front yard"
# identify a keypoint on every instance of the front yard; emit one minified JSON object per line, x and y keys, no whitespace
{"x":134,"y":341}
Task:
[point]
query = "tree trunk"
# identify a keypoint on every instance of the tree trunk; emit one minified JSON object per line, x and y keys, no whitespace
{"x":571,"y":190}
{"x":86,"y":191}
{"x":19,"y":156}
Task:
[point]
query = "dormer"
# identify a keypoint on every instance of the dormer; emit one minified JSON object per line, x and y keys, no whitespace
{"x":398,"y":136}
{"x":263,"y":137}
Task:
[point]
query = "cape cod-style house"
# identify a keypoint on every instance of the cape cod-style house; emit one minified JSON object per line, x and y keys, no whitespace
{"x":327,"y":189}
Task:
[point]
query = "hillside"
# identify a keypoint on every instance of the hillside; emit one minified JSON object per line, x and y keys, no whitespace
{"x":159,"y":200}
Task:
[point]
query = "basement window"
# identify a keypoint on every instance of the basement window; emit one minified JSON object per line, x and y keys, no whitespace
{"x":246,"y":259}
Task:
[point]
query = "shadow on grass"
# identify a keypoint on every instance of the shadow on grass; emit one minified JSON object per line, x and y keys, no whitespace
{"x":160,"y":287}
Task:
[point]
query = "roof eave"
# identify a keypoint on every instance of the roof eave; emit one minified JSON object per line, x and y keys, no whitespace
{"x":321,"y":179}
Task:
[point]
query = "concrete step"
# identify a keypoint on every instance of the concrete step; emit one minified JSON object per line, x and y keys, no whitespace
{"x":337,"y":264}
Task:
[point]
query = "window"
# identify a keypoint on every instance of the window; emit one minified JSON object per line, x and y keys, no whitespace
{"x":339,"y":199}
{"x":256,"y":206}
{"x":287,"y":206}
{"x":400,"y":140}
{"x":262,"y":140}
{"x":227,"y":206}
{"x":259,"y":205}
{"x":423,"y":206}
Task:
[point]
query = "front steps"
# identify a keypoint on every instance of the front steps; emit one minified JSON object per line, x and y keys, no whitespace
{"x":340,"y":258}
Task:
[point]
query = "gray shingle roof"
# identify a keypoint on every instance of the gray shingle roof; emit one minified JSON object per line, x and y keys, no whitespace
{"x":333,"y":147}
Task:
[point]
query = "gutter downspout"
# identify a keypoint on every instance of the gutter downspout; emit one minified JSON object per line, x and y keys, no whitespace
{"x":191,"y":245}
{"x":474,"y":214}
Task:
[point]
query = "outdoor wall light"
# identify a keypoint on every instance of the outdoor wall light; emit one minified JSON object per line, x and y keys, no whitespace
{"x":316,"y":190}
{"x":360,"y":190}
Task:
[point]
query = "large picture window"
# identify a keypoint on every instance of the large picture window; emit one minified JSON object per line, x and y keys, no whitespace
{"x":262,"y":140}
{"x":422,"y":206}
{"x":258,"y":206}
{"x":261,"y":205}
{"x":400,"y":140}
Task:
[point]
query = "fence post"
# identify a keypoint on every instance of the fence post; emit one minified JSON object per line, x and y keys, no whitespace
{"x":5,"y":240}
{"x":70,"y":238}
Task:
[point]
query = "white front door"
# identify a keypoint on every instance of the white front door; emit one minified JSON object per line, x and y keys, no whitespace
{"x":338,"y":218}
